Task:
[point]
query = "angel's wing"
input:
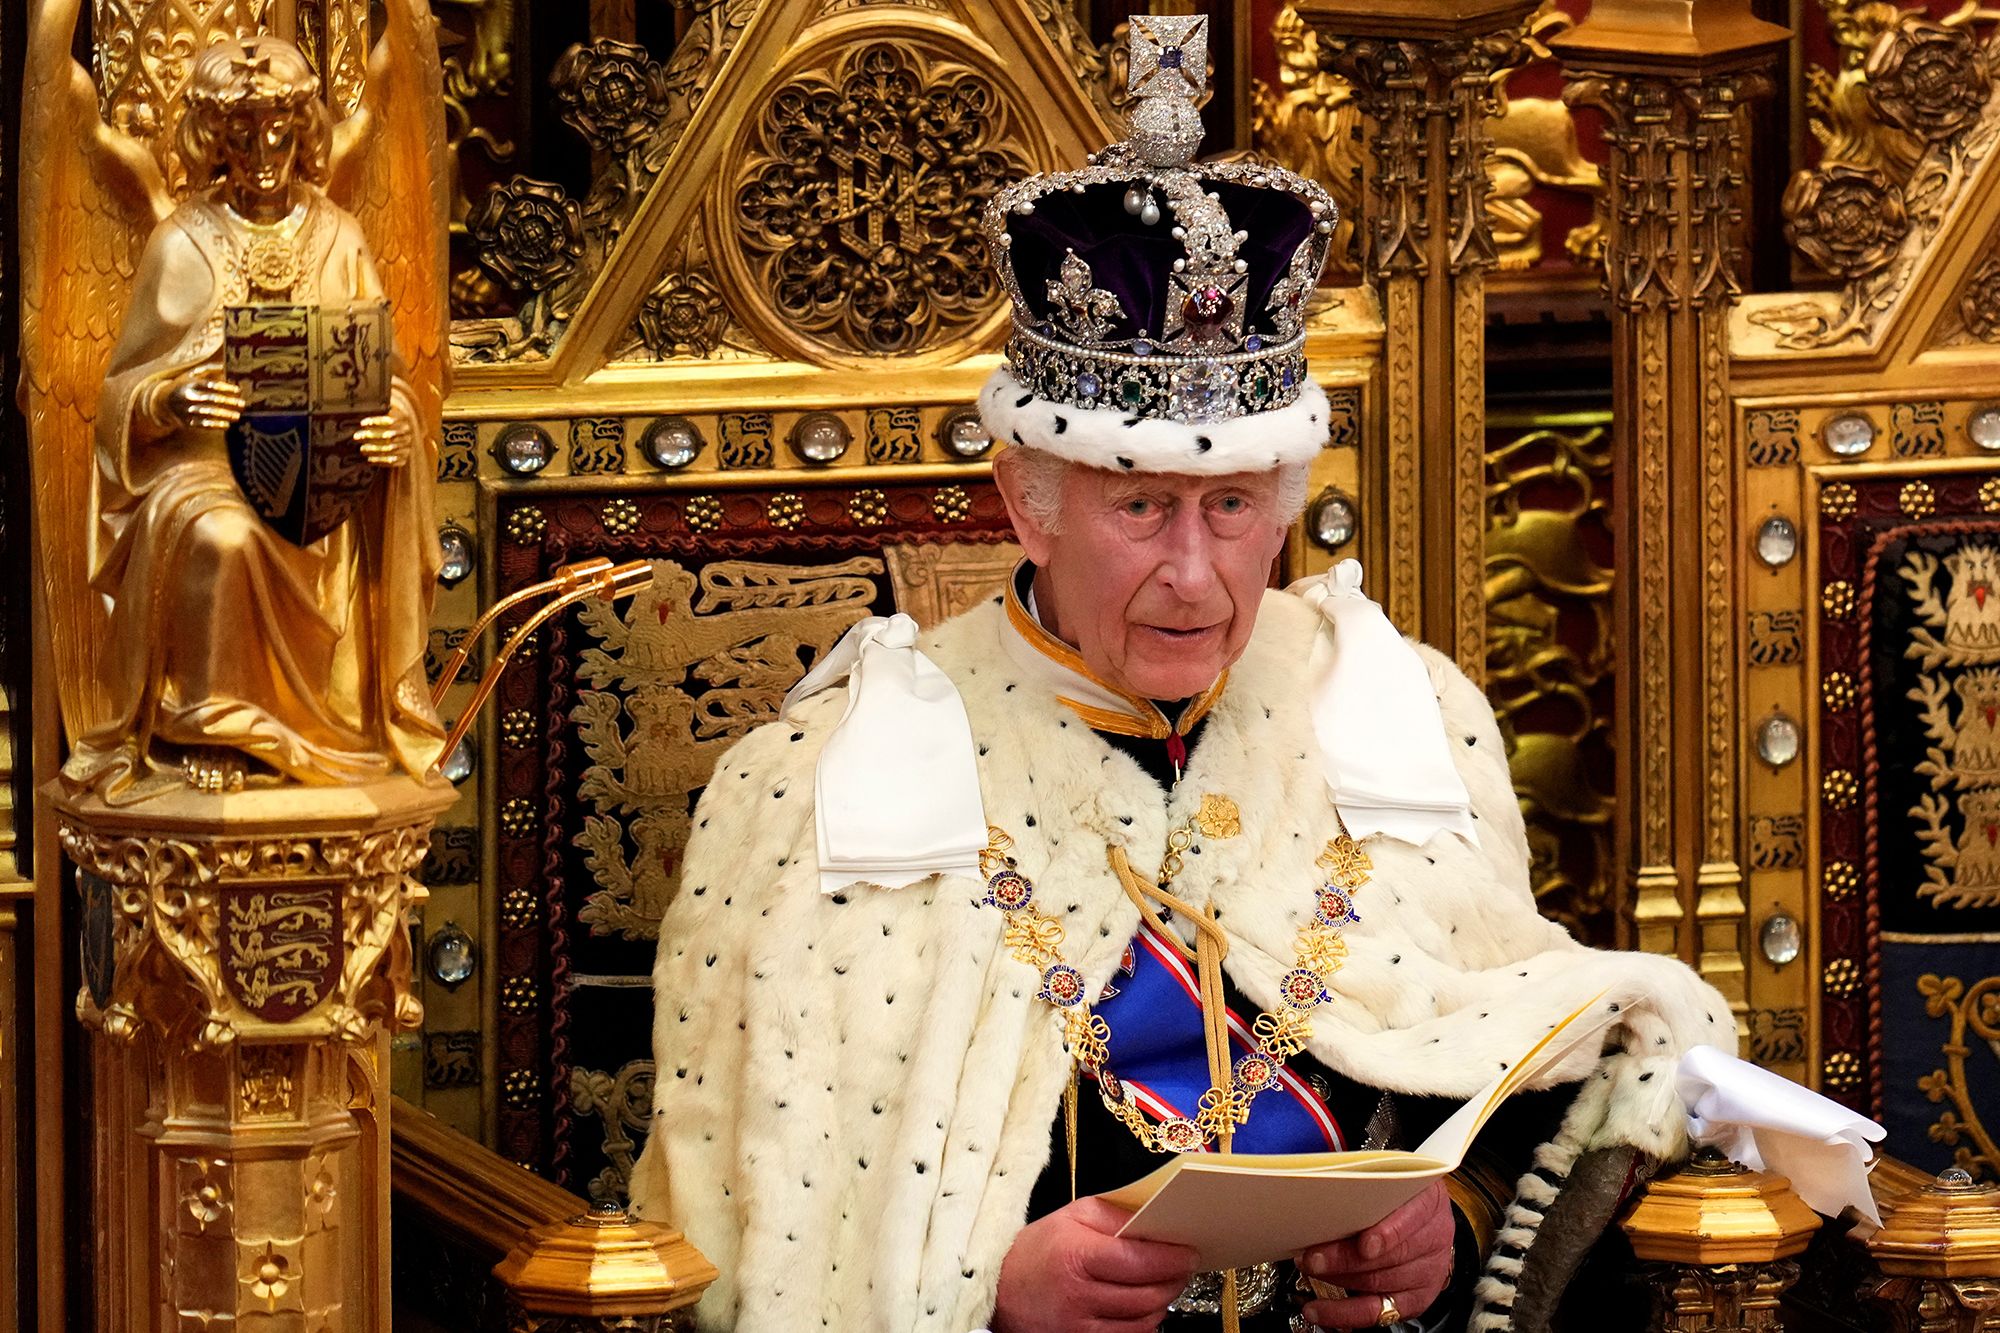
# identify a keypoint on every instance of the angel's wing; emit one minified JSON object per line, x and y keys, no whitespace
{"x":90,"y":195}
{"x":390,"y":171}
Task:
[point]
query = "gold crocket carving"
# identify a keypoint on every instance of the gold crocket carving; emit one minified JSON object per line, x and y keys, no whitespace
{"x":194,"y":643}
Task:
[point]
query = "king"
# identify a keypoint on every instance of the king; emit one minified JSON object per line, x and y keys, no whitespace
{"x":1141,"y":857}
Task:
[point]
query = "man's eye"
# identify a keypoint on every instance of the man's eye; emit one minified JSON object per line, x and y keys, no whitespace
{"x":1232,"y":504}
{"x":1139,"y":508}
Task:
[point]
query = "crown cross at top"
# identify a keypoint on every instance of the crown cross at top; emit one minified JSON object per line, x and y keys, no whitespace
{"x":251,"y":62}
{"x":1169,"y":56}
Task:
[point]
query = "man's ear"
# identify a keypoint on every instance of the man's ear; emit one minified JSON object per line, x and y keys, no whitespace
{"x":1035,"y":541}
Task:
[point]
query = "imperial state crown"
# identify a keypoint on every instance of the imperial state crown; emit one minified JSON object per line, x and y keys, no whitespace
{"x":1158,"y":303}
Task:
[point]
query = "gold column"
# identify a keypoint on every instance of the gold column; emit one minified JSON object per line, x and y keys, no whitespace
{"x":1718,"y":1246}
{"x":1672,"y":78}
{"x":1939,"y":1252}
{"x":245,"y":957}
{"x":1422,"y":74}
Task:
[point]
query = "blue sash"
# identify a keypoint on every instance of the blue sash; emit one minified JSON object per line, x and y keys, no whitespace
{"x":1159,"y":1051}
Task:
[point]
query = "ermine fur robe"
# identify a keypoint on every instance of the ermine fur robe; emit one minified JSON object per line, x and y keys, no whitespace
{"x":855,"y":1091}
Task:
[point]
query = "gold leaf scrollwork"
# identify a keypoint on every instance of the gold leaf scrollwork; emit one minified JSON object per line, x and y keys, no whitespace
{"x":1973,"y":1013}
{"x":170,"y":929}
{"x":652,"y":732}
{"x":623,"y":1104}
{"x":1548,"y":656}
{"x":1308,"y":122}
{"x":855,"y":209}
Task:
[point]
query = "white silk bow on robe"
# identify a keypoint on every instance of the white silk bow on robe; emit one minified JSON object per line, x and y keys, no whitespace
{"x":1382,"y":743}
{"x":896,"y":791}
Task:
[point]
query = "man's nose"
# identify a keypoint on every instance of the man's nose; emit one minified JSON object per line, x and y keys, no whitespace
{"x":1187,"y":563}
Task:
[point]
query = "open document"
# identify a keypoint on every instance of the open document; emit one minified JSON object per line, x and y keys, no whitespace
{"x":1239,"y":1209}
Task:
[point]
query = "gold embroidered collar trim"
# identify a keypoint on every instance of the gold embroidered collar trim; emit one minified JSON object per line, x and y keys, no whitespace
{"x":1102,"y":706}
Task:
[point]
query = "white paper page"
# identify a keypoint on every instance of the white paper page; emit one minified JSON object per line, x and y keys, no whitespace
{"x":1231,"y":1219}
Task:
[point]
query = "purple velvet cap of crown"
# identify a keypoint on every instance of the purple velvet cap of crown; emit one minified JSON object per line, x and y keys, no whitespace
{"x":1134,"y":261}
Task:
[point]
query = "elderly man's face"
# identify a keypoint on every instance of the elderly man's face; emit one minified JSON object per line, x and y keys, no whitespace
{"x":1155,"y":579}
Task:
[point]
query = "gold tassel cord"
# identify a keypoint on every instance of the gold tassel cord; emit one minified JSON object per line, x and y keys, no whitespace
{"x":1211,"y":946}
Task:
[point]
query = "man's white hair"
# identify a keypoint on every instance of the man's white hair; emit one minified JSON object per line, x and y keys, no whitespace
{"x":1041,"y":476}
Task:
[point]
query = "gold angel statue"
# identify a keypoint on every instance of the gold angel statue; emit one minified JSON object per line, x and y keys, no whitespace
{"x":195,"y":643}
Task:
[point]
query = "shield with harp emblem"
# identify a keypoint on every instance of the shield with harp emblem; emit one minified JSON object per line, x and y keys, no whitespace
{"x":310,"y":375}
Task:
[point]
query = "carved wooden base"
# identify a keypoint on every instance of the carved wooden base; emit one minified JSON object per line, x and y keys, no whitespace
{"x":1941,"y":1305}
{"x":245,"y":957}
{"x":1725,"y":1298}
{"x":681,"y":1321}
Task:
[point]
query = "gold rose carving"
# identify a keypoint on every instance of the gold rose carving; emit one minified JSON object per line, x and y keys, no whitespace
{"x":1974,"y":1015}
{"x":1903,"y":127}
{"x":198,"y":639}
{"x":684,"y":314}
{"x":551,"y":247}
{"x":1956,"y":643}
{"x":1847,"y":220}
{"x":691,"y":665}
{"x":854,"y":210}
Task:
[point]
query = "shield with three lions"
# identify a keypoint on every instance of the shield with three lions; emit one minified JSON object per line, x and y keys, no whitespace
{"x":311,"y":375}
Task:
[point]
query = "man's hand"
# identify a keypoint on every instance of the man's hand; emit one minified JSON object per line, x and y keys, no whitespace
{"x":1070,"y":1273}
{"x":386,"y":440}
{"x":1406,"y":1257}
{"x":205,"y":399}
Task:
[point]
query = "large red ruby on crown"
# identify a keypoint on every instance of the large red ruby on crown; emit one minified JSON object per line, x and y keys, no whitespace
{"x":1206,"y":305}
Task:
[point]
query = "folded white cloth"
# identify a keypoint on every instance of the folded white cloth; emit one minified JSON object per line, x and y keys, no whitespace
{"x":1768,"y":1122}
{"x":1382,"y":742}
{"x":896,"y":791}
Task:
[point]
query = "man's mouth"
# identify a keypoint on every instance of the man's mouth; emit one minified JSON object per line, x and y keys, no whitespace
{"x":1188,"y":635}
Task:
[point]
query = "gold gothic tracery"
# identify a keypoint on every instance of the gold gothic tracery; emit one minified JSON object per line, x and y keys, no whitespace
{"x":855,"y":208}
{"x":1310,"y":122}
